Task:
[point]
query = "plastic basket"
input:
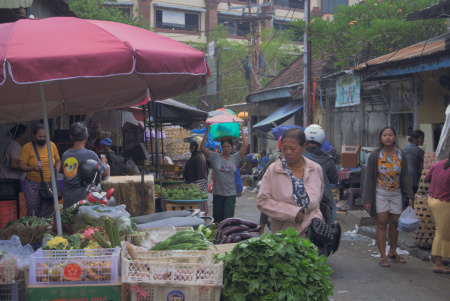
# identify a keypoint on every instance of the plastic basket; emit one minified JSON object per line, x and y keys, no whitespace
{"x":7,"y":271}
{"x":162,"y":233}
{"x":10,"y":291}
{"x":226,"y":129}
{"x":177,"y":292}
{"x":9,"y":188}
{"x":178,"y":256}
{"x":139,"y":271}
{"x":8,"y":211}
{"x":51,"y":267}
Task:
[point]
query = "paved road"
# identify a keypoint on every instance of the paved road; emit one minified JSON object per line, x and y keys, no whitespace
{"x":357,"y":275}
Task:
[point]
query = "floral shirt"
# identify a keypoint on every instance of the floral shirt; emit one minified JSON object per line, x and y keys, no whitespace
{"x":440,"y":181}
{"x":299,"y":193}
{"x":389,"y":169}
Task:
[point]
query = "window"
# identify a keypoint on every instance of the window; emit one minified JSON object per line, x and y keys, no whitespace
{"x":329,"y":6}
{"x":177,"y":20}
{"x":291,"y":3}
{"x":236,"y":28}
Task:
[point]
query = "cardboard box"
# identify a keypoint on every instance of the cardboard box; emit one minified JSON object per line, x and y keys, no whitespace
{"x":110,"y":292}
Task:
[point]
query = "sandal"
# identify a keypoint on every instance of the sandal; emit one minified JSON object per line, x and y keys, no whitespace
{"x":442,"y":271}
{"x":384,"y":263}
{"x":397,"y":258}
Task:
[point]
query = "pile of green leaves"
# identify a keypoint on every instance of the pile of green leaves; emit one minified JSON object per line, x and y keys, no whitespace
{"x":31,"y":221}
{"x":278,"y":266}
{"x":68,"y":214}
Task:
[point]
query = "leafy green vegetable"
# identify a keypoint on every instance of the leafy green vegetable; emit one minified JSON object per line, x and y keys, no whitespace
{"x":31,"y":221}
{"x":278,"y":266}
{"x":68,"y":214}
{"x":183,"y":240}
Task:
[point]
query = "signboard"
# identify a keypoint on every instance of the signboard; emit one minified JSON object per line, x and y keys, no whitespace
{"x":348,"y":89}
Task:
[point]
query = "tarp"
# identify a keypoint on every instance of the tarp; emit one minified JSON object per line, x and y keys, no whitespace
{"x":279,"y":116}
{"x":443,"y":148}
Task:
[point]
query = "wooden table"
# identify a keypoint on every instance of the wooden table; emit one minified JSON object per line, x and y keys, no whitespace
{"x":127,"y":190}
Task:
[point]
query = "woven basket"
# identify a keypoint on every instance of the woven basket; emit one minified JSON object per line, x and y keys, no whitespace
{"x":425,"y":235}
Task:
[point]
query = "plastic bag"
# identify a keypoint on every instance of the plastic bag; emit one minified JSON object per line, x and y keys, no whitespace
{"x":14,"y":257}
{"x":408,"y":221}
{"x":94,"y":215}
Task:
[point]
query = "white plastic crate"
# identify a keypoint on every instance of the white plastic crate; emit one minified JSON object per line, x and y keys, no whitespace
{"x":176,"y":292}
{"x":177,"y":256}
{"x":7,"y":271}
{"x":139,"y":271}
{"x":9,"y":291}
{"x":51,"y":267}
{"x":161,"y":233}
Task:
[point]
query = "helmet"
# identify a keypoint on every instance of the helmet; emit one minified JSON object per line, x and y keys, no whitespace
{"x":315,"y":133}
{"x":88,"y":171}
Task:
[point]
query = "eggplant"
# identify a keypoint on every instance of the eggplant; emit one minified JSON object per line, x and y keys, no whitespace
{"x":243,"y":235}
{"x":228,"y":240}
{"x":257,"y":229}
{"x":219,"y":235}
{"x":236,"y":221}
{"x":234,"y":228}
{"x":236,"y":239}
{"x":222,"y":239}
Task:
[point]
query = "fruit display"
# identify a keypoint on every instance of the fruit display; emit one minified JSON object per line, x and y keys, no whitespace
{"x":185,"y":192}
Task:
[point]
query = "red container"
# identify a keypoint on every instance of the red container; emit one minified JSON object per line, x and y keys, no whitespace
{"x":8,"y":211}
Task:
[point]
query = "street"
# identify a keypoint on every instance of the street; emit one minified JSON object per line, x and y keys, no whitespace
{"x":357,"y":275}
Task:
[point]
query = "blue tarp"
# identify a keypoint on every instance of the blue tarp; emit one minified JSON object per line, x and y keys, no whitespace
{"x":278,"y":132}
{"x":278,"y":117}
{"x":209,"y":143}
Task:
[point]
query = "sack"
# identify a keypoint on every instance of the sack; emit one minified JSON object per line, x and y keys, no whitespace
{"x":320,"y":233}
{"x":408,"y":221}
{"x":239,"y":186}
{"x":46,"y":192}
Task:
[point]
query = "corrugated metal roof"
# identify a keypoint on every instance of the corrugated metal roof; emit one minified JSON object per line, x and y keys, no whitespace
{"x":422,"y":49}
{"x":433,"y":12}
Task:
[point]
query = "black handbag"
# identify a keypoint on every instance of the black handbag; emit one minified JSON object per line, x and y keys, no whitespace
{"x":45,"y":189}
{"x":320,"y":233}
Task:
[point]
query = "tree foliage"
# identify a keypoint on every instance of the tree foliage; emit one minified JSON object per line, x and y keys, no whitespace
{"x":370,"y":29}
{"x":97,"y":10}
{"x":276,"y":52}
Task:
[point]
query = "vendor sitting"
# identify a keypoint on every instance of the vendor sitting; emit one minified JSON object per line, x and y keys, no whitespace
{"x":106,"y":152}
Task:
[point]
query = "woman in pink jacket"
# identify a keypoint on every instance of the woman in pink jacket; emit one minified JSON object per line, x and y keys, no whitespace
{"x":292,"y":187}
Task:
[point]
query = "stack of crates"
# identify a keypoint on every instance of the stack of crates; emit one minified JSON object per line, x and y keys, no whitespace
{"x":9,"y":200}
{"x":173,"y":275}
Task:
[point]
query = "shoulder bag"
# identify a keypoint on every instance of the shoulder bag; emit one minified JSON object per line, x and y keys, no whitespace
{"x":320,"y":233}
{"x":45,"y":189}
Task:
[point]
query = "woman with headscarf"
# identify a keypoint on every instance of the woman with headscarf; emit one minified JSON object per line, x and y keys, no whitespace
{"x":196,"y":170}
{"x":9,"y":168}
{"x":224,"y":167}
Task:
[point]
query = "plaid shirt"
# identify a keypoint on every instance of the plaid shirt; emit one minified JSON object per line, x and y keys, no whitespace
{"x":440,"y":181}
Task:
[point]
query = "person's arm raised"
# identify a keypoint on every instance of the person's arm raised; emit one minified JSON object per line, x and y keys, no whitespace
{"x":244,"y":147}
{"x":203,"y":145}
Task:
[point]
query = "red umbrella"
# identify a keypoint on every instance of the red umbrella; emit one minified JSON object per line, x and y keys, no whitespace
{"x":88,"y":66}
{"x":224,"y":118}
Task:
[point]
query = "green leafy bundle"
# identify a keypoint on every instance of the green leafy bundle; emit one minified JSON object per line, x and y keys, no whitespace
{"x":278,"y":266}
{"x":183,"y":240}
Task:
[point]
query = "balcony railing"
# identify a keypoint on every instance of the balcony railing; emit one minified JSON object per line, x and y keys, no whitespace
{"x":290,"y":3}
{"x":185,"y":27}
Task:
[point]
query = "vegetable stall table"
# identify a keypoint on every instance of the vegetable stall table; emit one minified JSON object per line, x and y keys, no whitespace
{"x":127,"y":190}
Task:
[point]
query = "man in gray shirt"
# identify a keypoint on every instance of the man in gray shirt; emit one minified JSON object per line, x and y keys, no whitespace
{"x":71,"y":159}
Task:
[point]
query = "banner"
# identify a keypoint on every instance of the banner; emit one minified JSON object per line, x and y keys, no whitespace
{"x":348,"y":89}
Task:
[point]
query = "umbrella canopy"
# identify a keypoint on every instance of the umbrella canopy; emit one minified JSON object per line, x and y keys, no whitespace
{"x":243,"y":115}
{"x":226,"y":110}
{"x":224,"y":118}
{"x":90,"y":66}
{"x":216,"y":113}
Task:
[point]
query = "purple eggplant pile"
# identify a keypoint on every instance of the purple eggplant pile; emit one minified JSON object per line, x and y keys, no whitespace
{"x":234,"y":230}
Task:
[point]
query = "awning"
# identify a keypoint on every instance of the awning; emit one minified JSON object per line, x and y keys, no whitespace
{"x":278,"y":117}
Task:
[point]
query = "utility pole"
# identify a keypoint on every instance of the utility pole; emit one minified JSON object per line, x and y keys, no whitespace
{"x":254,"y":42}
{"x":307,"y":78}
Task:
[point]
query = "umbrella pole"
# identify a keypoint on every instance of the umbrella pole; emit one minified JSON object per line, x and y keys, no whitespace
{"x":57,"y":206}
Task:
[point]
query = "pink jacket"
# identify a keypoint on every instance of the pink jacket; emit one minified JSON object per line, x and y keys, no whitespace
{"x":276,"y":201}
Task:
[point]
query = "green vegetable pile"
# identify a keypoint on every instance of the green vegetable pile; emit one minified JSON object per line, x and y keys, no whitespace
{"x":278,"y":266}
{"x":68,"y":214}
{"x":183,"y":240}
{"x":210,"y":232}
{"x":189,"y":192}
